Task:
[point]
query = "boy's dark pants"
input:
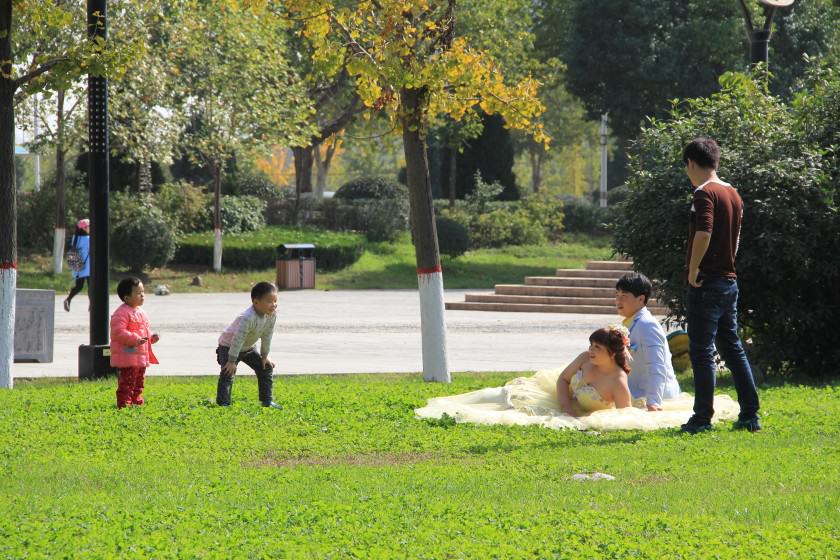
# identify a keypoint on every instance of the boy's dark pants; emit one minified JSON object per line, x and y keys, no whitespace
{"x":712,"y":322}
{"x":254,"y":361}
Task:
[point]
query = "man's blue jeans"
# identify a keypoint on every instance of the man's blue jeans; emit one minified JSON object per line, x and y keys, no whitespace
{"x":712,"y":321}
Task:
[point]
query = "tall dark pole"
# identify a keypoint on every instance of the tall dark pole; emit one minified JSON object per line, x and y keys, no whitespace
{"x":95,"y":363}
{"x":760,"y":37}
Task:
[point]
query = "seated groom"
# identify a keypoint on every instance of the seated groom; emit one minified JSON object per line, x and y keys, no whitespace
{"x":652,"y":375}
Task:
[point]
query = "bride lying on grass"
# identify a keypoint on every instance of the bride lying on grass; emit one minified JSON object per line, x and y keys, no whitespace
{"x":591,"y":393}
{"x":597,"y":379}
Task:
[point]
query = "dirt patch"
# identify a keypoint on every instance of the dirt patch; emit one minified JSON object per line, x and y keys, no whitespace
{"x":356,"y":460}
{"x":651,"y":479}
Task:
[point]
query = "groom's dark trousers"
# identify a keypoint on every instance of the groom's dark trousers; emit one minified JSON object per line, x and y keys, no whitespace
{"x":712,"y":321}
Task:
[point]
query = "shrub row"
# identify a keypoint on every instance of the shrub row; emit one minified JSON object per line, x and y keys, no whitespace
{"x":258,"y":250}
{"x":373,"y":205}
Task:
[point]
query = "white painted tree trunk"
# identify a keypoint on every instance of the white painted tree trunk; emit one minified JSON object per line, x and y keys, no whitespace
{"x":217,"y":251}
{"x":58,"y":250}
{"x":8,"y":283}
{"x":433,"y":327}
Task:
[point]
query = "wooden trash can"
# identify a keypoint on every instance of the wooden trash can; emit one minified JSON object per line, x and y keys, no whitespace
{"x":296,"y":266}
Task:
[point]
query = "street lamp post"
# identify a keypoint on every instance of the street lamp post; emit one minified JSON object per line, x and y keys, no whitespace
{"x":603,"y":134}
{"x":94,"y":359}
{"x":760,"y":37}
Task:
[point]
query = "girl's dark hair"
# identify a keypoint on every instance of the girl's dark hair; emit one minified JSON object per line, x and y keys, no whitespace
{"x":126,"y":286}
{"x":615,"y":343}
{"x":80,"y":232}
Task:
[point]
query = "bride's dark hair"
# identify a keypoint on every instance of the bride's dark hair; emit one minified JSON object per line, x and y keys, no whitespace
{"x":616,"y":343}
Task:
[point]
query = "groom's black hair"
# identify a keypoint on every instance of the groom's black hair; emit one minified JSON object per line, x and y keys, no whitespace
{"x":703,"y":151}
{"x":636,"y":284}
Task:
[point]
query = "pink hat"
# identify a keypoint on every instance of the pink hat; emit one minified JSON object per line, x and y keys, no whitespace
{"x":84,"y":223}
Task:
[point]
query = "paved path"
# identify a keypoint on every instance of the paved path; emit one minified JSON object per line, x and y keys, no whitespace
{"x":347,"y":331}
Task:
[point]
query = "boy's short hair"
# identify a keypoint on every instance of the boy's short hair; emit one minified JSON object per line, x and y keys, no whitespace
{"x":703,"y":151}
{"x":262,"y":289}
{"x":126,"y":286}
{"x":636,"y":284}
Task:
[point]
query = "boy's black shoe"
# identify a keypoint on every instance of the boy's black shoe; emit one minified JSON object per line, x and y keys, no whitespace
{"x":694,"y":427}
{"x":272,"y":404}
{"x":751,"y":425}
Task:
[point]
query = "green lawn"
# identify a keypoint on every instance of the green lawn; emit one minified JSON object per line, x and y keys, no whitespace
{"x":346,"y":471}
{"x":382,"y":266}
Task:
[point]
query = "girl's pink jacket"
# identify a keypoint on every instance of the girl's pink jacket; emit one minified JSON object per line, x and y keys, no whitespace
{"x":128,"y":325}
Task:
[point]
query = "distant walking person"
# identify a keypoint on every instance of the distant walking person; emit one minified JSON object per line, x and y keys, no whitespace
{"x":78,"y":257}
{"x":712,"y":302}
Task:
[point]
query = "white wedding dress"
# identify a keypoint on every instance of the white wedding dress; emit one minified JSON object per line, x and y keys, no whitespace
{"x":526,"y":401}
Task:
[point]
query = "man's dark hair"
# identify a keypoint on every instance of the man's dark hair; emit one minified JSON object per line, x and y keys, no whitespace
{"x":126,"y":286}
{"x":636,"y":284}
{"x":703,"y":151}
{"x":262,"y":289}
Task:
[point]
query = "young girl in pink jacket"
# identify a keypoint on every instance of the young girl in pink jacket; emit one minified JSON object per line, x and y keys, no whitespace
{"x":131,"y":342}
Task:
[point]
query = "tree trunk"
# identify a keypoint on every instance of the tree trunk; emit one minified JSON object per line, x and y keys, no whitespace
{"x":322,"y":166}
{"x":303,"y":168}
{"x":8,"y":201}
{"x":429,"y":272}
{"x":537,"y":156}
{"x":453,"y":175}
{"x":144,"y":175}
{"x":60,"y":188}
{"x":217,"y":216}
{"x":303,"y":176}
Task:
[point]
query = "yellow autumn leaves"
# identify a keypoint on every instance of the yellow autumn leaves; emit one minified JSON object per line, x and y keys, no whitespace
{"x":396,"y":45}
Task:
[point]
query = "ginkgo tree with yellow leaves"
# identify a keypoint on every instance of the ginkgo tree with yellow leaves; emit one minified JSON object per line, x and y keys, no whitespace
{"x":406,"y":62}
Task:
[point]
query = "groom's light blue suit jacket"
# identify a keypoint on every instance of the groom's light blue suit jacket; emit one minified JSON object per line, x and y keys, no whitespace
{"x":652,"y":374}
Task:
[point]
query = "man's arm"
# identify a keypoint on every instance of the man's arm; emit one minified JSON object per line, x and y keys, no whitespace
{"x":657,"y":369}
{"x":698,"y":251}
{"x":704,"y":207}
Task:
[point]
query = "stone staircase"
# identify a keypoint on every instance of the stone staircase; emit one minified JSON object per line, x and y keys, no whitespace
{"x":591,"y":290}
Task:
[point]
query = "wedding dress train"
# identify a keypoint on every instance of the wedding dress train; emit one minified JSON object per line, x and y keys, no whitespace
{"x":532,"y":400}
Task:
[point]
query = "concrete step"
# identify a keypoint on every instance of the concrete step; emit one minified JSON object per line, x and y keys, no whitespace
{"x":543,"y":300}
{"x":531,"y":308}
{"x":580,"y":273}
{"x":609,"y":265}
{"x":552,"y":300}
{"x":577,"y":282}
{"x":558,"y":291}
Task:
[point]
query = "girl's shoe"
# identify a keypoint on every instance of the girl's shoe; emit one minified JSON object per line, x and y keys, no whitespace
{"x":66,"y":305}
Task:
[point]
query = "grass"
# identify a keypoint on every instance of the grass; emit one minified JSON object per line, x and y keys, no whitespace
{"x":392,"y":265}
{"x":346,"y":471}
{"x":382,"y":266}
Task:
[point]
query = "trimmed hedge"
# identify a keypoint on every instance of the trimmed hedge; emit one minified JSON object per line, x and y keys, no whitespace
{"x":142,"y":243}
{"x":371,"y":188}
{"x":453,"y":237}
{"x":258,"y":250}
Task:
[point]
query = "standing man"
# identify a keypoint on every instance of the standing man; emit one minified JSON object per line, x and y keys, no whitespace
{"x":712,"y":302}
